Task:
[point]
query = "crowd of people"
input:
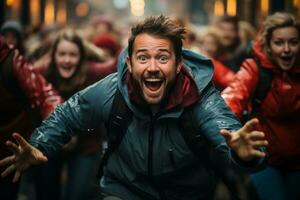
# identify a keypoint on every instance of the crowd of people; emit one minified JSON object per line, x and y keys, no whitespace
{"x":176,"y":112}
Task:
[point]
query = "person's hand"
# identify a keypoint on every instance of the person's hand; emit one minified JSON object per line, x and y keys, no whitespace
{"x":246,"y":141}
{"x":24,"y":155}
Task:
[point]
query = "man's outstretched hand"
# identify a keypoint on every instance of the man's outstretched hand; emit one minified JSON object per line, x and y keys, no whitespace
{"x":246,"y":141}
{"x":24,"y":155}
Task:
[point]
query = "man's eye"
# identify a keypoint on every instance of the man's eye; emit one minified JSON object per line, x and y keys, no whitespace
{"x":142,"y":58}
{"x":163,"y":59}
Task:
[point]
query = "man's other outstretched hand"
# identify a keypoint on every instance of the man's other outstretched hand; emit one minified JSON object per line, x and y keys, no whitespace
{"x":24,"y":155}
{"x":246,"y":141}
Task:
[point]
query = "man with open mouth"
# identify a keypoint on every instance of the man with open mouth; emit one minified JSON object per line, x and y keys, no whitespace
{"x":159,"y":83}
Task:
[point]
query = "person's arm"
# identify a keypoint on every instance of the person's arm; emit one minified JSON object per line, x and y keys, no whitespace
{"x":68,"y":119}
{"x":242,"y":149}
{"x":238,"y":95}
{"x":246,"y":143}
{"x":82,"y":113}
{"x":93,"y":52}
{"x":18,"y":75}
{"x":24,"y":155}
{"x":41,"y":93}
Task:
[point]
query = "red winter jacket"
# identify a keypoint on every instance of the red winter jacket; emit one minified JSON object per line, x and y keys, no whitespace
{"x":279,"y":113}
{"x":222,"y":75}
{"x":19,"y":85}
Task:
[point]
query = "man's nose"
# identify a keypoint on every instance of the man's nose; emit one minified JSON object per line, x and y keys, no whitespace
{"x":152,"y":66}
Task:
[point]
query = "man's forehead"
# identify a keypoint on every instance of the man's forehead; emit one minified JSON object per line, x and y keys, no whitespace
{"x":146,"y":42}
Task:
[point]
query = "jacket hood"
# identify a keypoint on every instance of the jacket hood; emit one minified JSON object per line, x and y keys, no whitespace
{"x":259,"y":53}
{"x":199,"y":67}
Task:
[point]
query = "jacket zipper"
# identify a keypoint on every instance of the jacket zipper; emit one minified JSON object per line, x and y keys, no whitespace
{"x":150,"y":160}
{"x":150,"y":150}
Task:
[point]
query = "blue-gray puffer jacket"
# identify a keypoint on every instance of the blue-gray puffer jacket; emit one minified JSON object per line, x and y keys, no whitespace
{"x":153,"y":159}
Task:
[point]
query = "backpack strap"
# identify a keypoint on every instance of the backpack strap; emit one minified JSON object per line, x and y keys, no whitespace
{"x":265,"y":78}
{"x":263,"y":85}
{"x":119,"y":119}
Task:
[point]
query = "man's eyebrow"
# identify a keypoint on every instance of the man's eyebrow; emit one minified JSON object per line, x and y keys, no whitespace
{"x":165,"y":50}
{"x":145,"y":50}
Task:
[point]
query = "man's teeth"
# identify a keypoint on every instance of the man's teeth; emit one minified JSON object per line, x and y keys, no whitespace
{"x":153,"y":83}
{"x":153,"y":80}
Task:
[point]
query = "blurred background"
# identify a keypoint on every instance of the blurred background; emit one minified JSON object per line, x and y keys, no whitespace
{"x":36,"y":12}
{"x":222,"y":30}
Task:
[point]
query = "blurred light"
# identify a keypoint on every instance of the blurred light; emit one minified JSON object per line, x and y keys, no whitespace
{"x":35,"y":12}
{"x":9,"y":3}
{"x":16,"y":5}
{"x":231,"y":7}
{"x":61,"y":15}
{"x":137,"y":4}
{"x":137,"y":7}
{"x":296,"y":2}
{"x":137,"y":12}
{"x":120,"y":4}
{"x":264,"y":5}
{"x":49,"y":12}
{"x":219,"y":8}
{"x":82,"y":9}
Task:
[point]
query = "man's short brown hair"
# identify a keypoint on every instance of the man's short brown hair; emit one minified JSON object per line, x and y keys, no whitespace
{"x":160,"y":26}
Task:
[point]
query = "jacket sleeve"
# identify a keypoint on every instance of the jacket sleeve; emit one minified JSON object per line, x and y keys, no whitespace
{"x":20,"y":75}
{"x":80,"y":114}
{"x":238,"y":95}
{"x":41,"y":93}
{"x":214,"y":115}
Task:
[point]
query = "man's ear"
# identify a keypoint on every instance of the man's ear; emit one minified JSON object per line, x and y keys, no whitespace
{"x":128,"y":62}
{"x":179,"y":66}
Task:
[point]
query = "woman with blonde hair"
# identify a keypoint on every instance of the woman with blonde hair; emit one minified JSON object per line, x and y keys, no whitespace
{"x":276,"y":52}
